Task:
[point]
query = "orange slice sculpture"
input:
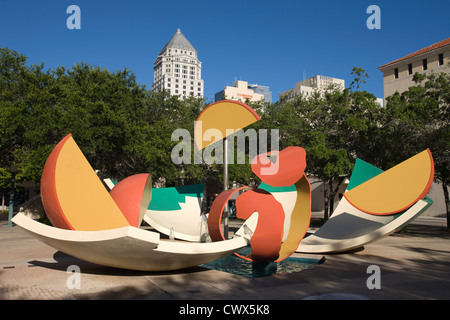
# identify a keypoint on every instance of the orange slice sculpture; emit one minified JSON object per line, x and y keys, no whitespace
{"x":216,"y":211}
{"x":224,"y":117}
{"x":133,"y":195}
{"x":287,"y":168}
{"x":266,"y":241}
{"x":73,"y":196}
{"x":396,"y":189}
{"x":267,"y":237}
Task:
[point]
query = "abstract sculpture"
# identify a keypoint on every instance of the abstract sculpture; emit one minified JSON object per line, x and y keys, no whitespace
{"x":89,"y":224}
{"x":104,"y":227}
{"x":267,"y":240}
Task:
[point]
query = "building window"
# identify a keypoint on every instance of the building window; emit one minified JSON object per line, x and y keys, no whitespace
{"x":410,"y":68}
{"x":396,"y":73}
{"x":441,"y":59}
{"x":424,"y":64}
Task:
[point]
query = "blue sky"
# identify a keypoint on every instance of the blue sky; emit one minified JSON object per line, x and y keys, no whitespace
{"x":273,"y":43}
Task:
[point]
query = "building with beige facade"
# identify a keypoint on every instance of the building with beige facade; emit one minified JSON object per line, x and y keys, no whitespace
{"x":398,"y":74}
{"x":177,"y":68}
{"x":240,"y":91}
{"x":308,"y":86}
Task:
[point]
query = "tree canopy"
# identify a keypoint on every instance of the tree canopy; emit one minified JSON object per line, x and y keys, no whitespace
{"x":124,"y":129}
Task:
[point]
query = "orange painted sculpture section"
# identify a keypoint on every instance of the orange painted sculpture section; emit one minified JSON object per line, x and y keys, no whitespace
{"x":266,"y":241}
{"x":74,"y":197}
{"x":216,"y":211}
{"x":267,"y":237}
{"x":224,"y":118}
{"x":287,"y":169}
{"x":396,"y":189}
{"x":300,"y":219}
{"x":133,"y":195}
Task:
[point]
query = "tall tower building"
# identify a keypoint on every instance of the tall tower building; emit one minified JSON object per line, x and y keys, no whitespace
{"x":177,"y":68}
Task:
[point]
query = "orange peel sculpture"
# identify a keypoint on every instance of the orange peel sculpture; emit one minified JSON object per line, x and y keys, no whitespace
{"x":133,"y":195}
{"x":399,"y":187}
{"x":267,"y":237}
{"x":287,"y":169}
{"x":266,"y":241}
{"x":224,"y":117}
{"x":72,"y":194}
{"x":103,"y":227}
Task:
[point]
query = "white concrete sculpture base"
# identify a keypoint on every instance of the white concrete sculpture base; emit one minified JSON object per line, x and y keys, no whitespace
{"x":129,"y":247}
{"x":187,"y":223}
{"x":349,"y":228}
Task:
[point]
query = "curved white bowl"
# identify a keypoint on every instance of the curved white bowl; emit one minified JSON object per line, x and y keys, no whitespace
{"x":129,"y":247}
{"x":349,"y":228}
{"x":187,"y":223}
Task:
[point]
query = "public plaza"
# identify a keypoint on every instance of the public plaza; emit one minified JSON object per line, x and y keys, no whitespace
{"x":414,"y":265}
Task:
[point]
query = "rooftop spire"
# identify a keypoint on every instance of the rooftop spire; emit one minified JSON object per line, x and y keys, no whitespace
{"x":179,"y":41}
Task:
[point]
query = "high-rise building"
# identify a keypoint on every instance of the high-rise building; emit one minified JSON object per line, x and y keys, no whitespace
{"x":308,"y":86}
{"x":177,"y":68}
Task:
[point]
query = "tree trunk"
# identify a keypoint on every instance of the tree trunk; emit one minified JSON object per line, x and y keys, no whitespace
{"x":332,"y":194}
{"x":447,"y":204}
{"x":325,"y":201}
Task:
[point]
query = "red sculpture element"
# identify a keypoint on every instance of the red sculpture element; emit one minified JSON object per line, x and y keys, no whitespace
{"x":266,"y":241}
{"x":287,"y":169}
{"x":133,"y":195}
{"x":215,"y":213}
{"x":267,"y":237}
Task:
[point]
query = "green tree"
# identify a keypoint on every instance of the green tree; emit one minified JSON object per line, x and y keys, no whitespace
{"x":420,"y":119}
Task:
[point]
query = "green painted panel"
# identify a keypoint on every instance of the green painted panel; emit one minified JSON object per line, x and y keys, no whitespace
{"x":167,"y":199}
{"x":271,"y":189}
{"x":362,"y":171}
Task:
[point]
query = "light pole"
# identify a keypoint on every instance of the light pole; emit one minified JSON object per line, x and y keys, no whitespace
{"x":225,"y":186}
{"x":11,"y":194}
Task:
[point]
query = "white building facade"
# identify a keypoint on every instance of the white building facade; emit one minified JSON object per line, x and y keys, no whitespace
{"x":308,"y":86}
{"x":240,"y":91}
{"x":178,"y":70}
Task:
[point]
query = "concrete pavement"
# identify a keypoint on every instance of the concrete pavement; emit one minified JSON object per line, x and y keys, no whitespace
{"x":413,"y":264}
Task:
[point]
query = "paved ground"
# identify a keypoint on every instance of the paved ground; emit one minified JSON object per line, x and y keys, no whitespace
{"x":413,"y":265}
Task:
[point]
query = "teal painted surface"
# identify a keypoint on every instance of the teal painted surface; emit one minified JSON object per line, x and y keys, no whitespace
{"x":168,"y":199}
{"x":362,"y":171}
{"x":271,"y":189}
